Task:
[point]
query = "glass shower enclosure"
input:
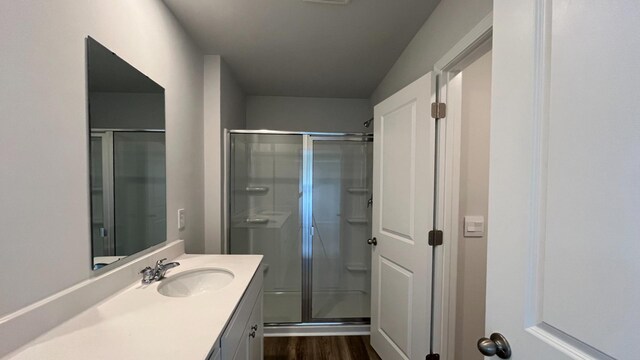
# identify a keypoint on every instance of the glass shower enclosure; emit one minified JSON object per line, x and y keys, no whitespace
{"x":303,"y":200}
{"x":128,"y":187}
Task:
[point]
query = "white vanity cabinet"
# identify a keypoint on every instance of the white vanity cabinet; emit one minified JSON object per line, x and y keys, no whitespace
{"x":243,"y":337}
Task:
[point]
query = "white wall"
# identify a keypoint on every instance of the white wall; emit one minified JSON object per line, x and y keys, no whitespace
{"x":474,"y":194}
{"x":449,"y":22}
{"x":224,"y":108}
{"x":44,"y":192}
{"x":308,"y":114}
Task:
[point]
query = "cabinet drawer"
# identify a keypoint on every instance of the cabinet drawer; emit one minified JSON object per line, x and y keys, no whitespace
{"x":235,"y":328}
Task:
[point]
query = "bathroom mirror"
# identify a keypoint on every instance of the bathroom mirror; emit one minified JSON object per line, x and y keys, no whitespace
{"x":127,"y":157}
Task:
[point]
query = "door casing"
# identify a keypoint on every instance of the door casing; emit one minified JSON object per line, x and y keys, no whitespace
{"x":448,"y":90}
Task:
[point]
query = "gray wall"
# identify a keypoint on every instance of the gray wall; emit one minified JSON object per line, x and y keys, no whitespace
{"x":233,"y":100}
{"x":450,"y":21}
{"x":44,"y":192}
{"x":224,"y":108}
{"x":308,"y":114}
{"x":474,"y":194}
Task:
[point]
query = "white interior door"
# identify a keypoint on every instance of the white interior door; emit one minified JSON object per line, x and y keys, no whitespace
{"x":403,"y":175}
{"x":564,"y":206}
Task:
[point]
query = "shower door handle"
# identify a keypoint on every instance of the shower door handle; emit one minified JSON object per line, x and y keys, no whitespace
{"x":373,"y":241}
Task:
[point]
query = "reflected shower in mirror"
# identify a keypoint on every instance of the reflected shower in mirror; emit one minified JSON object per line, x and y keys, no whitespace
{"x":127,"y":157}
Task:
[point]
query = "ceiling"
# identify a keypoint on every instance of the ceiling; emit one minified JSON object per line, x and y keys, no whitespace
{"x":297,"y":48}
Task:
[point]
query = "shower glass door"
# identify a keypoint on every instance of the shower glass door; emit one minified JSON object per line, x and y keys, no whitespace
{"x":341,"y":221}
{"x":139,"y":183}
{"x":265,"y":217}
{"x":128,"y":187}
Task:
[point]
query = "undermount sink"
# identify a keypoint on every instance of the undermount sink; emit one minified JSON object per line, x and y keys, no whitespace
{"x":194,"y":282}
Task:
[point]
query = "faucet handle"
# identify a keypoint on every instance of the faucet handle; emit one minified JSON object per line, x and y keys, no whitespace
{"x":159,"y":262}
{"x":147,"y":275}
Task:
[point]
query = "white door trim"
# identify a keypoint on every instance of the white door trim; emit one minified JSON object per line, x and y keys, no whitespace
{"x":469,"y":48}
{"x":467,"y":45}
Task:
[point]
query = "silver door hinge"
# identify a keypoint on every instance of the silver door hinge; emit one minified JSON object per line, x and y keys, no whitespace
{"x":435,"y":237}
{"x":438,"y":110}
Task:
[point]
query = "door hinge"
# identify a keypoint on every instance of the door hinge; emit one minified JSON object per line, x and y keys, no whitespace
{"x":435,"y":237}
{"x":433,"y":357}
{"x":438,"y":110}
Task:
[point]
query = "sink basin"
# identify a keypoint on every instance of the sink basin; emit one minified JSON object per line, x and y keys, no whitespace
{"x":194,"y":282}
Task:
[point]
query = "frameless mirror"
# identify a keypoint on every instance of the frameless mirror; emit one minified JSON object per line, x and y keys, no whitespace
{"x":127,"y":157}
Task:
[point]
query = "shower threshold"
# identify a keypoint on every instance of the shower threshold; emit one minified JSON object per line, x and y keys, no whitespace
{"x":331,"y":307}
{"x":317,"y":329}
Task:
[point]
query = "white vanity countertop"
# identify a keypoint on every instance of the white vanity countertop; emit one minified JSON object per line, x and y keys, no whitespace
{"x":140,"y":323}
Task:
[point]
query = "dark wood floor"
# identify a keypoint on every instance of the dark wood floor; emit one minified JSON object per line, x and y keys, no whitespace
{"x":319,"y":348}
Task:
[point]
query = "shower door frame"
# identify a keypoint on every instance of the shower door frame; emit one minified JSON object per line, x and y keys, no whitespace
{"x":308,"y":138}
{"x":308,"y":232}
{"x":108,"y":206}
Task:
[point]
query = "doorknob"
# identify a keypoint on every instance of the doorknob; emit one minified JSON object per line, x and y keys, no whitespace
{"x":496,"y":344}
{"x":372,"y":241}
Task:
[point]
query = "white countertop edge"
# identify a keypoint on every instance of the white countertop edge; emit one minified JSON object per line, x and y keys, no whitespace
{"x":22,"y":326}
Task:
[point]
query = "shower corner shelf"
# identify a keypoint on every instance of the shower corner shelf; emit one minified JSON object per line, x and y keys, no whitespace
{"x":356,"y":190}
{"x":357,"y":267}
{"x":357,"y":221}
{"x":256,"y":189}
{"x":256,"y":220}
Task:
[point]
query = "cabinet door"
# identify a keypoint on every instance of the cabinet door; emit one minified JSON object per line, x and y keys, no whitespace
{"x":215,"y":355}
{"x":256,"y":330}
{"x":251,"y":342}
{"x":243,"y":349}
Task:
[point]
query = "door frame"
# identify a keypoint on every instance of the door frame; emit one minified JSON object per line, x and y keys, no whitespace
{"x":447,"y":89}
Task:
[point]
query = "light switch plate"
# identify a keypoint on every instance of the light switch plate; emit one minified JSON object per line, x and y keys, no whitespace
{"x":181,"y":219}
{"x":473,"y":226}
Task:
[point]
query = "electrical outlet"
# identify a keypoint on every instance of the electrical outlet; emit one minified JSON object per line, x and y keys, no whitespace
{"x":181,"y":219}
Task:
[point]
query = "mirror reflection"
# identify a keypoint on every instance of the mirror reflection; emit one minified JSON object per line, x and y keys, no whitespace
{"x":127,"y":157}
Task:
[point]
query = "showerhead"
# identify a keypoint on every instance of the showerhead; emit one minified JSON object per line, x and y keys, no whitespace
{"x":368,"y":123}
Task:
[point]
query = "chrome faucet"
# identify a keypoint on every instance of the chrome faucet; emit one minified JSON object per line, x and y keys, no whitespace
{"x":150,"y":275}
